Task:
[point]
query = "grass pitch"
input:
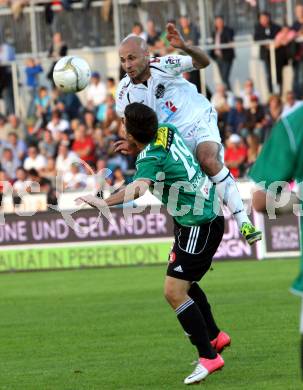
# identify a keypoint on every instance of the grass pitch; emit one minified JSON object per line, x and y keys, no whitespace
{"x":111,"y":329}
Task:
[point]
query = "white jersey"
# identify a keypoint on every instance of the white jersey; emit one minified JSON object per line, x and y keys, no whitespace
{"x":173,"y":98}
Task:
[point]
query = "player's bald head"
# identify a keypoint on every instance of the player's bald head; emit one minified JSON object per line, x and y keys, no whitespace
{"x":133,"y":42}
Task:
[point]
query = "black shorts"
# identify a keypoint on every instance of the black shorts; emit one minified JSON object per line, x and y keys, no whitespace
{"x":193,"y":249}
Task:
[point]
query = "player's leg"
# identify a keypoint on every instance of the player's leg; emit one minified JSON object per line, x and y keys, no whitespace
{"x":194,"y":326}
{"x":205,"y":142}
{"x":219,"y":339}
{"x":185,"y":266}
{"x":210,"y":157}
{"x":198,"y":296}
{"x":189,"y":315}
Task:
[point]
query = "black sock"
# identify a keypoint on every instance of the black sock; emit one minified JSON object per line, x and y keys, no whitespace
{"x":197,"y":294}
{"x":193,"y":323}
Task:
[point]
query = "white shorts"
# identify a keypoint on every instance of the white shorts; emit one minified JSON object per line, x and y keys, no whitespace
{"x":205,"y":129}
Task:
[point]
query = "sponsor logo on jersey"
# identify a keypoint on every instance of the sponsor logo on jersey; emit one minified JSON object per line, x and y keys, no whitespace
{"x":172,"y":61}
{"x":164,"y":137}
{"x":160,"y":91}
{"x":171,"y":106}
{"x":169,"y":109}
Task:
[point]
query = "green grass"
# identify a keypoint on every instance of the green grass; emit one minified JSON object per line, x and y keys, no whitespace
{"x":112,"y":329}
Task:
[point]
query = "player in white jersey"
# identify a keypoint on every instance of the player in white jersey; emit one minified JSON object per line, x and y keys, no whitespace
{"x":170,"y":95}
{"x":158,"y":83}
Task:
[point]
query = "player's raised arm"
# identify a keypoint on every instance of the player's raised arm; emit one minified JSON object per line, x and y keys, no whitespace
{"x":200,"y":59}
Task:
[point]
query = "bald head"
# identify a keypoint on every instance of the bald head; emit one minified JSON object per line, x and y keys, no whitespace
{"x":134,"y":57}
{"x":135,"y":41}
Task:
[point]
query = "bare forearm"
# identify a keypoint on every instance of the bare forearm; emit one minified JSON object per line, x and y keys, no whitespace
{"x":115,"y":199}
{"x":200,"y":59}
{"x":128,"y":194}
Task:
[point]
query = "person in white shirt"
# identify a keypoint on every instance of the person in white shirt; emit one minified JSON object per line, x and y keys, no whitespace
{"x":34,"y":160}
{"x":65,"y":159}
{"x":222,"y":99}
{"x":159,"y":84}
{"x":247,"y":92}
{"x":21,"y":184}
{"x":74,"y":179}
{"x":137,"y":30}
{"x":96,"y":92}
{"x":290,"y":103}
{"x":57,"y":125}
{"x":9,"y":163}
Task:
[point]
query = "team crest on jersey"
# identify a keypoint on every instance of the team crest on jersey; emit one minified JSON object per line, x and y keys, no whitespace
{"x":164,"y":137}
{"x":160,"y":90}
{"x":172,"y":257}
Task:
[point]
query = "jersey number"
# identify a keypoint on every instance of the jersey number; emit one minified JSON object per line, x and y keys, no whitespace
{"x":180,"y":151}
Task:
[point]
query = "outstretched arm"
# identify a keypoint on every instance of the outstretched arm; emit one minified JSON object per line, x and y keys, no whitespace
{"x":200,"y":59}
{"x":132,"y":191}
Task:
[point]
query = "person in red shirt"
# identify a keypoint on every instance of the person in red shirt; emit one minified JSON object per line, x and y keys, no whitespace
{"x":84,"y":145}
{"x":235,"y":154}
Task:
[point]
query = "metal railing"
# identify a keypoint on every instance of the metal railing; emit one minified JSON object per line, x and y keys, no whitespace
{"x":81,"y":28}
{"x":90,"y":27}
{"x":236,"y":45}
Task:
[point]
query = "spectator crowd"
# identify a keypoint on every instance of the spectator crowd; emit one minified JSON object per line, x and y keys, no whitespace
{"x":60,"y":132}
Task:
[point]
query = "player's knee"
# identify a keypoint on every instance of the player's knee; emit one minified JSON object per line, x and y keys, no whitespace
{"x":173,"y":295}
{"x":208,"y":155}
{"x":210,"y":165}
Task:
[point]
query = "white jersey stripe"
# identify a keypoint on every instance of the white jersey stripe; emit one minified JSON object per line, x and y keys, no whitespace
{"x":189,"y":239}
{"x":194,"y":240}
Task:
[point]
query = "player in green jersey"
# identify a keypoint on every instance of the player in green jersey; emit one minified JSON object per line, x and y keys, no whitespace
{"x":168,"y":168}
{"x":281,"y":159}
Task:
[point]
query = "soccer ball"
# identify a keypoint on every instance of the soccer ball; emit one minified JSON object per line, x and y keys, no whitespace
{"x":71,"y":74}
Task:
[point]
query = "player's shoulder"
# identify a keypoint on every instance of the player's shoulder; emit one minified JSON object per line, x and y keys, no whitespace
{"x":168,"y":61}
{"x":157,"y":66}
{"x":158,"y":149}
{"x":165,"y":136}
{"x":164,"y":65}
{"x":149,"y":154}
{"x":124,"y":81}
{"x":295,"y":117}
{"x":123,"y":86}
{"x":292,"y":125}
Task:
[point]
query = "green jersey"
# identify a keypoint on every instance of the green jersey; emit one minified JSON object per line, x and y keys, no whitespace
{"x":177,"y":178}
{"x":281,"y":159}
